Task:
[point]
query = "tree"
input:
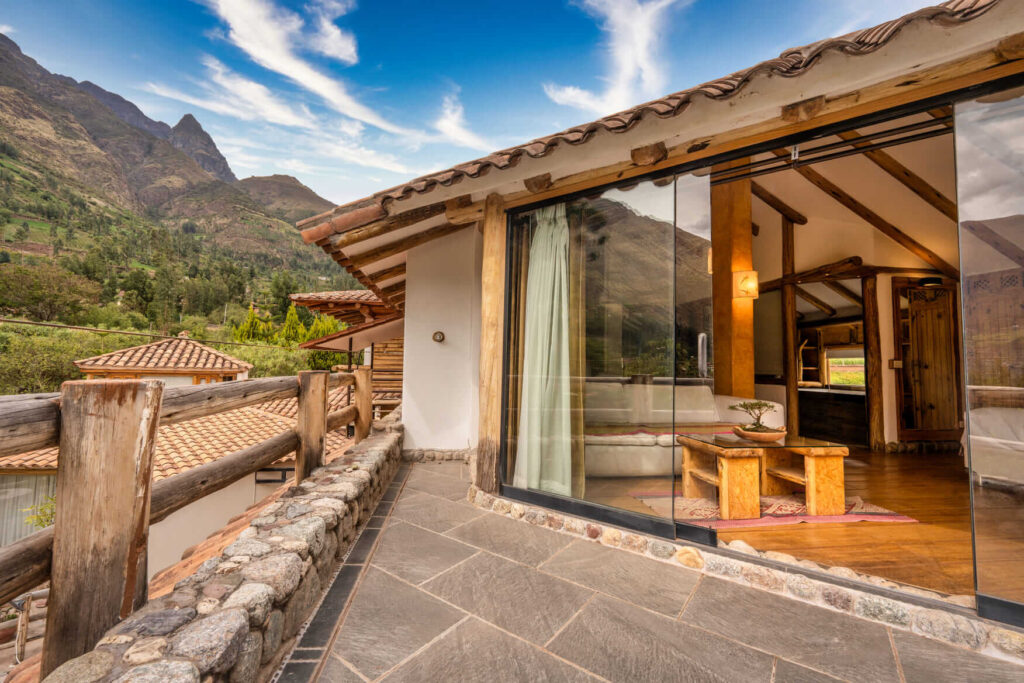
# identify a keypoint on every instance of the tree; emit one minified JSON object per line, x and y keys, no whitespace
{"x":253,"y":329}
{"x":282,"y":286}
{"x":293,"y":331}
{"x":21,"y":234}
{"x":5,"y":257}
{"x":322,"y":326}
{"x":44,"y":291}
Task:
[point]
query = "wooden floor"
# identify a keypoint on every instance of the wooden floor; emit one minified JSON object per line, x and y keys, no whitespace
{"x":932,"y":488}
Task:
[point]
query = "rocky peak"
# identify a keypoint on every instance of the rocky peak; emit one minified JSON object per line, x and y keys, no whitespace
{"x":190,"y":138}
{"x":126,"y":111}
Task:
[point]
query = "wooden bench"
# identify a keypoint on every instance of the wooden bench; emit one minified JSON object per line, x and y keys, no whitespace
{"x":818,"y":469}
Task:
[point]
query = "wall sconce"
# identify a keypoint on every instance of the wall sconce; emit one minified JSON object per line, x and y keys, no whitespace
{"x":438,"y":336}
{"x":744,"y":284}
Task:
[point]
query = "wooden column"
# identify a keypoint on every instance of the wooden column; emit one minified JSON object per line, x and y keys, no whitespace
{"x":492,"y":337}
{"x":363,"y":401}
{"x":311,"y":422}
{"x":731,"y":244}
{"x":107,"y":433}
{"x":873,"y":360}
{"x":790,"y":347}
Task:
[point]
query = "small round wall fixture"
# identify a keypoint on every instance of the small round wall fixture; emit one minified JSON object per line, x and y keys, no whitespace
{"x":438,"y":336}
{"x":929,"y":282}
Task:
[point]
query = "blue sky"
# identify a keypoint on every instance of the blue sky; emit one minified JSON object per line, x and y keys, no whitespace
{"x":353,"y":97}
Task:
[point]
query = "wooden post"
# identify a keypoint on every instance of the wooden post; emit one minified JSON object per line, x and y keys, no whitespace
{"x":24,"y":619}
{"x":107,"y":433}
{"x":311,"y":423}
{"x":492,"y":338}
{"x":790,"y":348}
{"x":363,"y":401}
{"x":873,"y":360}
{"x":733,"y":318}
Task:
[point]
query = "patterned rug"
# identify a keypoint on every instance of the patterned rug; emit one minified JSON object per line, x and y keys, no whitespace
{"x":775,"y":511}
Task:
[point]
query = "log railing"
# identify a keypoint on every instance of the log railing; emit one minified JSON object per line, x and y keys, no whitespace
{"x":95,"y":554}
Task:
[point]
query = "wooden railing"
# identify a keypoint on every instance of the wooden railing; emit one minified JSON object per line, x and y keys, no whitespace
{"x":95,"y":554}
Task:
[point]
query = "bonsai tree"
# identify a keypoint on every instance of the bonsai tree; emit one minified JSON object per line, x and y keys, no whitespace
{"x":756,"y":410}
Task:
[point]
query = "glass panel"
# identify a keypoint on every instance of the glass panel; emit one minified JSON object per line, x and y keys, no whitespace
{"x":592,"y":347}
{"x":990,"y":185}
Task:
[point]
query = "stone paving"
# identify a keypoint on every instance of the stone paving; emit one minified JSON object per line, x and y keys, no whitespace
{"x":448,"y":592}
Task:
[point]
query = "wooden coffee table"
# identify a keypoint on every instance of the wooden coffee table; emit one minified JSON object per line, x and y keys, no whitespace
{"x":741,"y":471}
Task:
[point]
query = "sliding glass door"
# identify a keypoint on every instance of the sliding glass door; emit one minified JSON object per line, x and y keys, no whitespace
{"x":990,"y":183}
{"x":609,"y":337}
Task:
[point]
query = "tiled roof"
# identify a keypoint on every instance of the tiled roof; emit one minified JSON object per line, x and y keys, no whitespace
{"x":182,"y":446}
{"x":357,"y":296}
{"x":792,"y":62}
{"x":180,"y":353}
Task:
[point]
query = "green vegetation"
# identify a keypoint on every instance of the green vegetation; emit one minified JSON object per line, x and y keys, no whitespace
{"x":42,"y":515}
{"x":756,"y":410}
{"x":846,"y":371}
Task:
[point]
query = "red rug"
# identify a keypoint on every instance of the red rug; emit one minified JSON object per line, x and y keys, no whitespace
{"x":775,"y":511}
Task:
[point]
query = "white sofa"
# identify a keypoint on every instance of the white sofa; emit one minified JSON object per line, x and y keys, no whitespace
{"x":610,"y":406}
{"x":997,"y":443}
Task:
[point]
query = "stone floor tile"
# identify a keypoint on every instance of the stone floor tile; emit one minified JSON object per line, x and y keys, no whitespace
{"x":477,"y":652}
{"x":930,"y":661}
{"x":512,"y":539}
{"x":388,"y":621}
{"x":456,"y":469}
{"x":336,"y":671}
{"x":431,"y":512}
{"x":838,"y":644}
{"x":788,"y":672}
{"x":648,"y":583}
{"x":622,"y":642}
{"x":415,"y":554}
{"x":515,"y":597}
{"x":426,"y":481}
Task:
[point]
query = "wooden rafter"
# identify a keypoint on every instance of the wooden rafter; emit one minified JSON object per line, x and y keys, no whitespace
{"x":388,"y":273}
{"x":393,"y":290}
{"x":815,"y":301}
{"x":777,"y":204}
{"x":882,"y":225}
{"x":386,"y":226}
{"x":395,"y":248}
{"x":844,"y":291}
{"x":905,"y":176}
{"x":830,"y":270}
{"x":993,"y":239}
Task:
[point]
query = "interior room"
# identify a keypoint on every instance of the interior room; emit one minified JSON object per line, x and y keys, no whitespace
{"x":822,"y":278}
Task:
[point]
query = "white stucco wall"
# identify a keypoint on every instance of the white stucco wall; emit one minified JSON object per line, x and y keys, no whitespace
{"x":440,"y":397}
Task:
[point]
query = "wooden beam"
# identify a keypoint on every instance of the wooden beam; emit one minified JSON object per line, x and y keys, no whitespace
{"x":346,"y":221}
{"x":814,"y":301}
{"x":982,"y":231}
{"x":393,"y":289}
{"x":755,"y":229}
{"x":395,"y":248}
{"x":648,"y":155}
{"x":386,"y":226}
{"x":872,"y":218}
{"x":873,"y":364}
{"x":777,"y":204}
{"x":311,"y":422}
{"x":904,"y":175}
{"x":107,"y":435}
{"x":484,"y":468}
{"x":379,"y":276}
{"x":844,"y":291}
{"x":463,"y":210}
{"x":363,"y":401}
{"x":829,"y":270}
{"x":790,"y":348}
{"x":538,"y":183}
{"x":732,"y":318}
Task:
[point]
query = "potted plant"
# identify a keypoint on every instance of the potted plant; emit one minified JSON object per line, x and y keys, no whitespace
{"x":757,"y":430}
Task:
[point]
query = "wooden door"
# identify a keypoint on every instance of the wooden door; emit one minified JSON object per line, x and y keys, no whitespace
{"x":928,"y":384}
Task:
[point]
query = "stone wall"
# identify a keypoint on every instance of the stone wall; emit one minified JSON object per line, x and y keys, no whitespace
{"x":237,"y":616}
{"x":835,"y":588}
{"x":437,"y":454}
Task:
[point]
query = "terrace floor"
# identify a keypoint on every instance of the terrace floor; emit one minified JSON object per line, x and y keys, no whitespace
{"x":436,"y":589}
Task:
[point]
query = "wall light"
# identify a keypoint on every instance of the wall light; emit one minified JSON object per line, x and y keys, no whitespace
{"x":744,"y":284}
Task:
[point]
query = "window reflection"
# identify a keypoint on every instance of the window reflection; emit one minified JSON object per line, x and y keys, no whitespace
{"x":990,"y":180}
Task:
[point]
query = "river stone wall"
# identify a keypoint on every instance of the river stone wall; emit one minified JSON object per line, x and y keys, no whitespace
{"x":237,"y":616}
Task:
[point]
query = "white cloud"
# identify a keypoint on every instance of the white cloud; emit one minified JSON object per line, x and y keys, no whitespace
{"x":233,"y":95}
{"x":6,"y":28}
{"x":330,"y":40}
{"x":270,"y":36}
{"x":452,"y":125}
{"x":840,"y":17}
{"x":634,"y":33}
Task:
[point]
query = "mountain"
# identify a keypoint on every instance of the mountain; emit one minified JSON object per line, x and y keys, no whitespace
{"x":79,"y":138}
{"x":190,"y":138}
{"x":285,"y":197}
{"x":127,"y":111}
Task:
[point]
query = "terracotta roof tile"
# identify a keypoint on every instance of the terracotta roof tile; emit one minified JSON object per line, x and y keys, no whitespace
{"x":792,"y":62}
{"x":341,"y":297}
{"x":180,"y":353}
